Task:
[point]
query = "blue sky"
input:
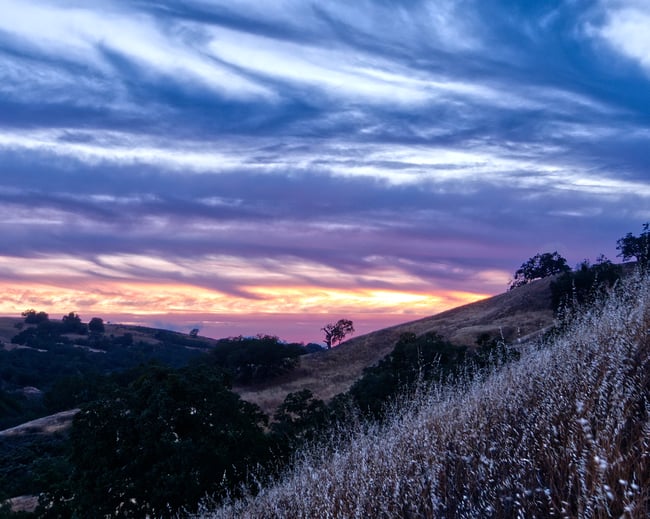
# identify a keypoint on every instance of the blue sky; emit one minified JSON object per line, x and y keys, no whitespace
{"x":297,"y":157}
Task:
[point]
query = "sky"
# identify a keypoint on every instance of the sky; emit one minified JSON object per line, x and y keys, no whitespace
{"x":267,"y":167}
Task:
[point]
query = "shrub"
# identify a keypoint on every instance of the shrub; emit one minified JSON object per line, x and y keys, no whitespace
{"x":255,"y":359}
{"x":585,"y":283}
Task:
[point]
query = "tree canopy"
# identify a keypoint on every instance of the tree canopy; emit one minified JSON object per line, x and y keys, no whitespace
{"x":336,"y":332}
{"x":33,"y":317}
{"x":637,"y":247}
{"x":538,"y":267}
{"x":251,"y":360}
{"x":96,"y":325}
{"x":161,"y":443}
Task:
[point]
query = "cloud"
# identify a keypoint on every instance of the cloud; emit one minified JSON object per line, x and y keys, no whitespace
{"x":88,"y":37}
{"x":625,"y":29}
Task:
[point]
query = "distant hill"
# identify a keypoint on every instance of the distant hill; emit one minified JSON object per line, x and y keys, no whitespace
{"x":41,"y":358}
{"x":517,"y":314}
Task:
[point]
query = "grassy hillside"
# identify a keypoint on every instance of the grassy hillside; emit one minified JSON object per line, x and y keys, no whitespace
{"x":515,"y":314}
{"x":563,"y":432}
{"x":58,"y":465}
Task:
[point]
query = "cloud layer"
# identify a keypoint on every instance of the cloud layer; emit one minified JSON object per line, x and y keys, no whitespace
{"x":301,"y":157}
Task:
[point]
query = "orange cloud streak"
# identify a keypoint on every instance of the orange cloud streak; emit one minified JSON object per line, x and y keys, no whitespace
{"x":143,"y":298}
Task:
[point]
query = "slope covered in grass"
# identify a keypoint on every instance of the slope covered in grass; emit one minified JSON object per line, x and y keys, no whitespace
{"x":563,"y":432}
{"x":515,"y":314}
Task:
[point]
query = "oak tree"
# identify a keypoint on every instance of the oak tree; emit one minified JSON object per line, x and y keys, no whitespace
{"x":336,"y":332}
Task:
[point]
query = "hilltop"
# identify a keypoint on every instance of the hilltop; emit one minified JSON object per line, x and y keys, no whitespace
{"x":45,"y":364}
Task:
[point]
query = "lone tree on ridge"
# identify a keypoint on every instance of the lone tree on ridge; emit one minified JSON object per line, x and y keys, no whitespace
{"x":335,"y":333}
{"x":636,"y":246}
{"x":538,"y":267}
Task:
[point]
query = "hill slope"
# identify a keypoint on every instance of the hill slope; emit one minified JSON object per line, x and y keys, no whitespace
{"x":45,"y":365}
{"x":515,"y":314}
{"x":564,"y":432}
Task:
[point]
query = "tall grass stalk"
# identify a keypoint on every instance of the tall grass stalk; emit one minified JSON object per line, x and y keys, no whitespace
{"x":563,"y":432}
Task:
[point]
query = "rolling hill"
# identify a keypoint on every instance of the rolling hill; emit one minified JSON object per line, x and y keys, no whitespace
{"x":516,"y":315}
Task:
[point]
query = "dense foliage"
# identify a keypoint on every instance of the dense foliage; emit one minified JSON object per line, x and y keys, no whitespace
{"x":160,"y":444}
{"x":31,"y":463}
{"x":252,"y":360}
{"x":583,"y":284}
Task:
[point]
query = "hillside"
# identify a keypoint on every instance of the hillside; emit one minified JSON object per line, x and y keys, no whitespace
{"x":516,"y":314}
{"x":563,"y":432}
{"x":10,"y":326}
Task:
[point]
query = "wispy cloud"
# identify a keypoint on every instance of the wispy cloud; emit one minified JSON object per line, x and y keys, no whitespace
{"x":86,"y":37}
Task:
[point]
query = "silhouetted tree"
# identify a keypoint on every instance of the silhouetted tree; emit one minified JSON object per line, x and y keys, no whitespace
{"x":336,"y":332}
{"x":32,"y":317}
{"x":96,"y":325}
{"x":636,"y":246}
{"x":72,"y":324}
{"x":538,"y":267}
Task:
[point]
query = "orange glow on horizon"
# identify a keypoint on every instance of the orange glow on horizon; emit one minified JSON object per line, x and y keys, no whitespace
{"x":141,"y":298}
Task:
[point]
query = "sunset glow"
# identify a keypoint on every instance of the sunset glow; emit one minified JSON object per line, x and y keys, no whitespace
{"x":142,"y":298}
{"x":183,"y":307}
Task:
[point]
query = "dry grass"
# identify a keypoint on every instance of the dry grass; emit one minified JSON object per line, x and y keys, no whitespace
{"x":518,"y":313}
{"x":564,"y":432}
{"x":47,"y":425}
{"x":23,"y":503}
